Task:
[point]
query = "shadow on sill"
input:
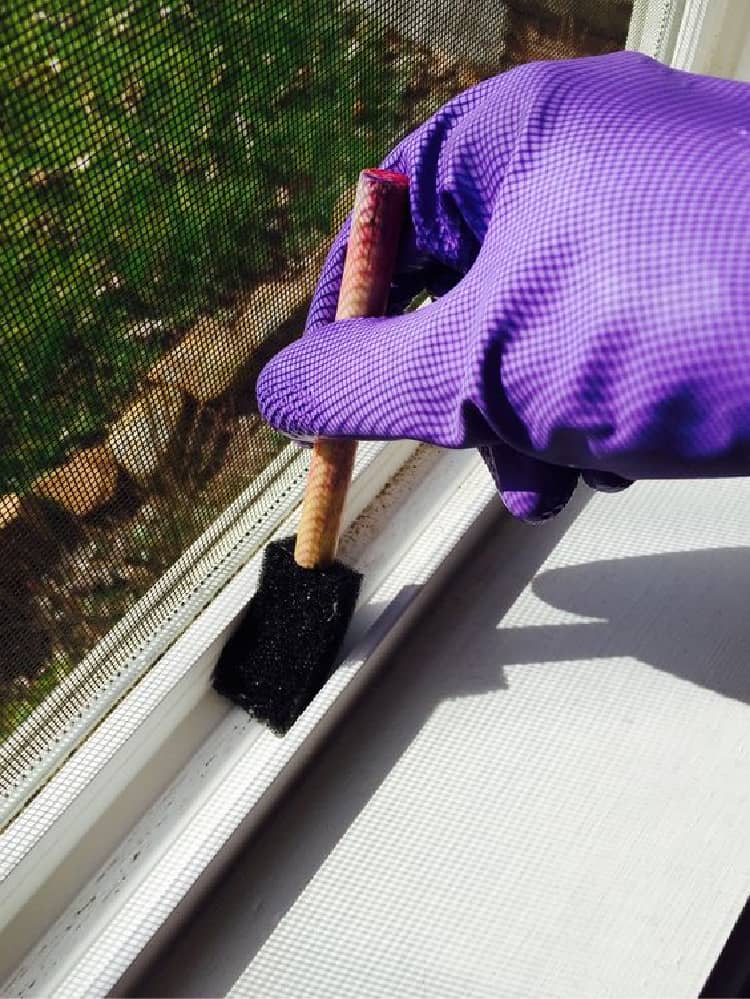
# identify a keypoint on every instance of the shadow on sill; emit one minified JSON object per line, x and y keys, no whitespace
{"x":240,"y":915}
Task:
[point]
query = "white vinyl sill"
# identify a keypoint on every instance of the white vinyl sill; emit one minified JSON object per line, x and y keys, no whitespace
{"x":219,"y":770}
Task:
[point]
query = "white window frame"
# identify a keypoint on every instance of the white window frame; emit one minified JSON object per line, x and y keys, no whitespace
{"x":161,"y":615}
{"x":153,"y":727}
{"x":136,"y":894}
{"x":190,"y":776}
{"x":711,"y":37}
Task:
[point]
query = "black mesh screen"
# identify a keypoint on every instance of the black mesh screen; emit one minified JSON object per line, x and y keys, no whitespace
{"x":171,"y":174}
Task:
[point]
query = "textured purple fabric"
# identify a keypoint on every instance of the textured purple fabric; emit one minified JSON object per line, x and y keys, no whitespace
{"x":587,"y":226}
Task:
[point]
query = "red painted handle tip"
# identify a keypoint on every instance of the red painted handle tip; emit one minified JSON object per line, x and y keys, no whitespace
{"x":387,"y":177}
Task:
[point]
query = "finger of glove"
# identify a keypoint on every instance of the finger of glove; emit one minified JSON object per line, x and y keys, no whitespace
{"x":605,"y":482}
{"x":532,"y":490}
{"x":378,"y":379}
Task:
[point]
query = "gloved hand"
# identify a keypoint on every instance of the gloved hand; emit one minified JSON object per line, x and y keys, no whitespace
{"x":587,"y":226}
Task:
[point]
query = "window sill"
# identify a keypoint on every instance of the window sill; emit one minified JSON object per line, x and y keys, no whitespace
{"x":229,"y":769}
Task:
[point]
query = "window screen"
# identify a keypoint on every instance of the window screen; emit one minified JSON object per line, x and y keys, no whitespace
{"x":171,"y":173}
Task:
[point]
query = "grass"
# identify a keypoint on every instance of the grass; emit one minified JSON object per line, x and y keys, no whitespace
{"x":155,"y":163}
{"x":154,"y":160}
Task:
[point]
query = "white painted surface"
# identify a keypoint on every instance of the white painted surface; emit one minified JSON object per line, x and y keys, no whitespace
{"x":407,"y":540}
{"x":655,"y":26}
{"x":70,"y":829}
{"x":714,"y":39}
{"x":546,"y":793}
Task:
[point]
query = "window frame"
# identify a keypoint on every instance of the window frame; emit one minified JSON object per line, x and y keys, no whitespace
{"x":437,"y":505}
{"x":145,"y":737}
{"x":171,"y":603}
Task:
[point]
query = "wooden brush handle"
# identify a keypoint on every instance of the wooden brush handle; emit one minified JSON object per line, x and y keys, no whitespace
{"x":379,"y":209}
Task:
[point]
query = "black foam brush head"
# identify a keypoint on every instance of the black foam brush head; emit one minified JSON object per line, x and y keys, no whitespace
{"x":286,"y":644}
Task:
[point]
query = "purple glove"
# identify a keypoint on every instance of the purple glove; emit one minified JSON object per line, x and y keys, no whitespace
{"x":587,"y":226}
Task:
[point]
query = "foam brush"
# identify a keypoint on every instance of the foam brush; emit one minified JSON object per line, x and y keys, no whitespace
{"x":286,"y":643}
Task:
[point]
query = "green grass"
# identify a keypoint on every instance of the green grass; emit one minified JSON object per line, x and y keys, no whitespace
{"x":154,"y":160}
{"x":15,"y":710}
